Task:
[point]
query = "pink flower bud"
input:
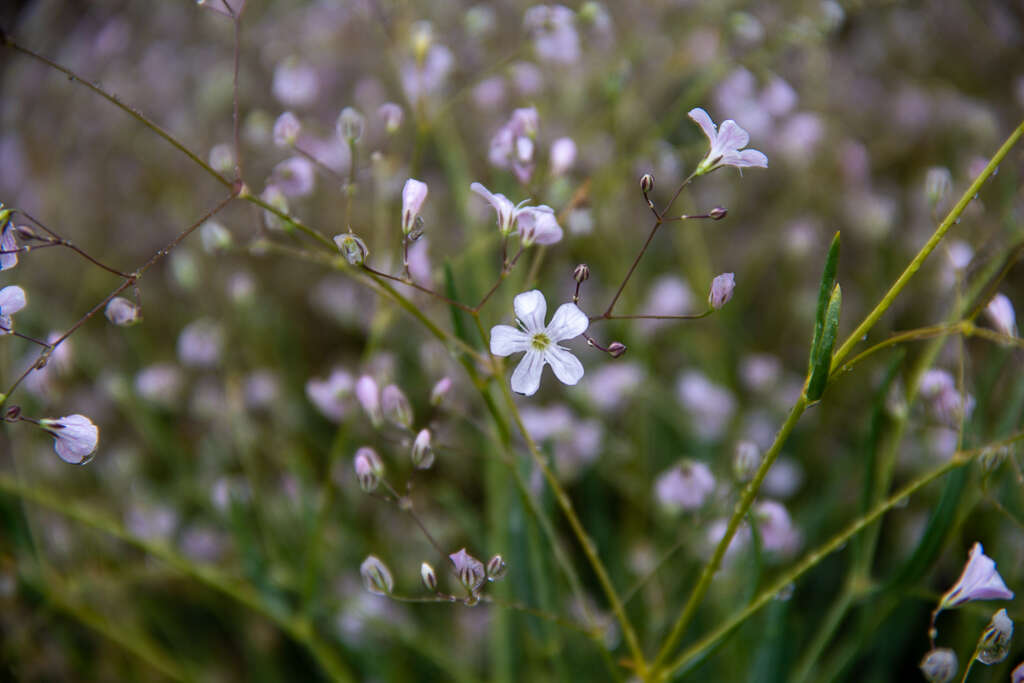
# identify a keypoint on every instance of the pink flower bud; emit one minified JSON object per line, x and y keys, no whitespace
{"x":721,"y":290}
{"x":413,"y":195}
{"x":470,"y":570}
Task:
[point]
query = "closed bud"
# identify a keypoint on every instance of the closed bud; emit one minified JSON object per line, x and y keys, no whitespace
{"x":26,"y":233}
{"x":496,"y":568}
{"x":428,"y":576}
{"x":352,"y":248}
{"x":581,"y":273}
{"x":396,"y":406}
{"x":721,"y":290}
{"x":369,"y":468}
{"x":616,"y":349}
{"x":746,"y":460}
{"x":939,"y":665}
{"x":368,"y":396}
{"x":647,"y":183}
{"x":376,"y":576}
{"x":994,"y":644}
{"x":350,"y":125}
{"x":422,"y":453}
{"x":991,"y":458}
{"x":718,"y":213}
{"x":121,"y":311}
{"x":440,"y":390}
{"x":470,"y":570}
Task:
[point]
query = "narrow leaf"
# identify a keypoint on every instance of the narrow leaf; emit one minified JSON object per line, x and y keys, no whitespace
{"x":828,"y":281}
{"x":822,"y":363}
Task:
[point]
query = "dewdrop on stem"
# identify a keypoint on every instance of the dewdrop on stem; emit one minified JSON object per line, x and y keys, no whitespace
{"x":994,"y":644}
{"x":121,"y":311}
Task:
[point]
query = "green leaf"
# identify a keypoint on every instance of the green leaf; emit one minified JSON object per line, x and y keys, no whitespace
{"x":822,"y":362}
{"x":828,"y":281}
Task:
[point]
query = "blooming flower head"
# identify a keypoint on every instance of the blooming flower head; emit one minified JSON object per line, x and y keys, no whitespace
{"x":295,"y":177}
{"x":939,"y":665}
{"x":12,"y":300}
{"x":413,"y":195}
{"x":727,"y":145}
{"x":540,"y":341}
{"x":75,"y":437}
{"x":979,"y":581}
{"x":535,"y":224}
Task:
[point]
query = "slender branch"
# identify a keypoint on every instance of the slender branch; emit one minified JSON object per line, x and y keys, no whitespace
{"x":414,"y":285}
{"x":236,"y":19}
{"x":696,"y":316}
{"x":61,"y":242}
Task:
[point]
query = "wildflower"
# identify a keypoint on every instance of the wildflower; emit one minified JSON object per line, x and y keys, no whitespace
{"x":470,"y":570}
{"x":295,"y":177}
{"x":200,"y":342}
{"x":160,"y":383}
{"x":328,"y":394}
{"x":726,"y":145}
{"x":352,"y":248}
{"x":368,"y":396}
{"x":513,"y":145}
{"x":994,"y":644}
{"x":12,"y":300}
{"x":8,"y":246}
{"x":562,"y":155}
{"x":286,"y":130}
{"x":1000,"y":311}
{"x":121,"y":311}
{"x":427,"y":76}
{"x":710,"y":406}
{"x":778,"y":535}
{"x":369,"y":468}
{"x":496,"y":568}
{"x":295,"y":83}
{"x":540,"y":342}
{"x":721,"y":290}
{"x":350,"y":125}
{"x":536,"y":224}
{"x":422,"y":453}
{"x":554,"y":33}
{"x":376,"y":576}
{"x":685,"y":486}
{"x":396,"y":406}
{"x":939,"y":665}
{"x":75,"y":437}
{"x":413,"y":195}
{"x":392,"y":115}
{"x":214,"y":236}
{"x":979,"y":581}
{"x":273,"y":196}
{"x":440,"y":390}
{"x":429,"y":576}
{"x":746,"y":460}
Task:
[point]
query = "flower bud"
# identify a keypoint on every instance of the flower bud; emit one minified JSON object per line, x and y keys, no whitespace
{"x":718,"y":213}
{"x":994,"y":644}
{"x":352,"y":248}
{"x":581,"y":273}
{"x":392,"y":115}
{"x":428,"y":576}
{"x":121,"y":311}
{"x":746,"y":460}
{"x":368,"y":396}
{"x":470,"y":570}
{"x":496,"y":568}
{"x":350,"y":125}
{"x":991,"y":458}
{"x":1001,"y":314}
{"x":369,"y":468}
{"x":273,"y":196}
{"x":616,"y":349}
{"x":26,"y":233}
{"x":422,"y":453}
{"x":376,"y":576}
{"x":647,"y":182}
{"x":939,"y":665}
{"x":721,"y":290}
{"x":413,"y":195}
{"x":440,"y":390}
{"x":396,"y":406}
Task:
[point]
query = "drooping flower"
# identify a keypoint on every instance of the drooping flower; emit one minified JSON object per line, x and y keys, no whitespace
{"x":513,"y":145}
{"x":286,"y":130}
{"x":392,"y":114}
{"x":369,"y":468}
{"x":368,"y":395}
{"x":540,"y":341}
{"x":979,"y":581}
{"x":422,"y":453}
{"x":413,"y":195}
{"x":727,"y":145}
{"x":12,"y":300}
{"x":75,"y":437}
{"x":535,"y":224}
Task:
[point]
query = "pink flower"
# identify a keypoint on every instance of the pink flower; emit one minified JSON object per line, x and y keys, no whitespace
{"x":75,"y":437}
{"x":979,"y":581}
{"x":727,"y":145}
{"x":685,"y":486}
{"x":535,"y":224}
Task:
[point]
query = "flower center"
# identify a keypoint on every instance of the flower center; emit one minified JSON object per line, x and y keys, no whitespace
{"x":540,"y":341}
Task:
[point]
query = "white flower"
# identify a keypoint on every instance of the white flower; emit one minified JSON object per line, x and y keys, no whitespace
{"x":413,"y":195}
{"x":721,"y":290}
{"x":540,"y":342}
{"x":562,"y":155}
{"x":286,"y":130}
{"x":75,"y":437}
{"x":1000,"y":312}
{"x":535,"y":224}
{"x":979,"y":581}
{"x":726,"y":145}
{"x":328,"y":395}
{"x":685,"y":486}
{"x":12,"y":300}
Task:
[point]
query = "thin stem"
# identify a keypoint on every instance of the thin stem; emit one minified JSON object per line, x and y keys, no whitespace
{"x":919,"y":334}
{"x":739,"y":512}
{"x":236,"y":19}
{"x":113,"y":99}
{"x":696,"y":316}
{"x":929,"y":246}
{"x":970,"y":663}
{"x":425,"y":290}
{"x":249,"y":197}
{"x":60,"y":241}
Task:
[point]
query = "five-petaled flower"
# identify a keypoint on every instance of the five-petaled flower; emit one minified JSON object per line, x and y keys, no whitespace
{"x":540,"y":341}
{"x":727,"y":145}
{"x":535,"y":224}
{"x":74,"y":437}
{"x":979,"y":581}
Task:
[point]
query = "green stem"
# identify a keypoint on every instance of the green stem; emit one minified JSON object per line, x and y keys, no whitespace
{"x":739,"y":512}
{"x":299,"y":629}
{"x":933,"y":241}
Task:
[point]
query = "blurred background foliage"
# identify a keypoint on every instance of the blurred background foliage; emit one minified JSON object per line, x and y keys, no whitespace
{"x":224,"y":465}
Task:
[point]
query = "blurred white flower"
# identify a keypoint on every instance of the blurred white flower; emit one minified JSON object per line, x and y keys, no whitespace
{"x":612,"y":385}
{"x":286,"y":130}
{"x":778,"y":535}
{"x":1000,"y":312}
{"x":159,"y":383}
{"x":368,"y":394}
{"x":392,"y":114}
{"x":562,"y":155}
{"x":12,"y":300}
{"x":553,"y":28}
{"x":512,"y":146}
{"x":426,"y":78}
{"x":75,"y":437}
{"x":329,"y":395}
{"x":295,"y":83}
{"x":200,"y":343}
{"x":726,"y":145}
{"x":119,"y":311}
{"x":376,"y":576}
{"x":295,"y":177}
{"x":540,"y":341}
{"x":685,"y":486}
{"x":709,"y":406}
{"x":260,"y":389}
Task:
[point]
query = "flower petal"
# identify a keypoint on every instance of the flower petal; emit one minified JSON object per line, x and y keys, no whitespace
{"x":706,"y":124}
{"x":731,"y":136}
{"x":506,"y":340}
{"x":8,"y":244}
{"x":568,"y":322}
{"x":568,"y":368}
{"x":538,"y":225}
{"x":12,"y":299}
{"x":751,"y":157}
{"x":526,"y":378}
{"x":531,"y":308}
